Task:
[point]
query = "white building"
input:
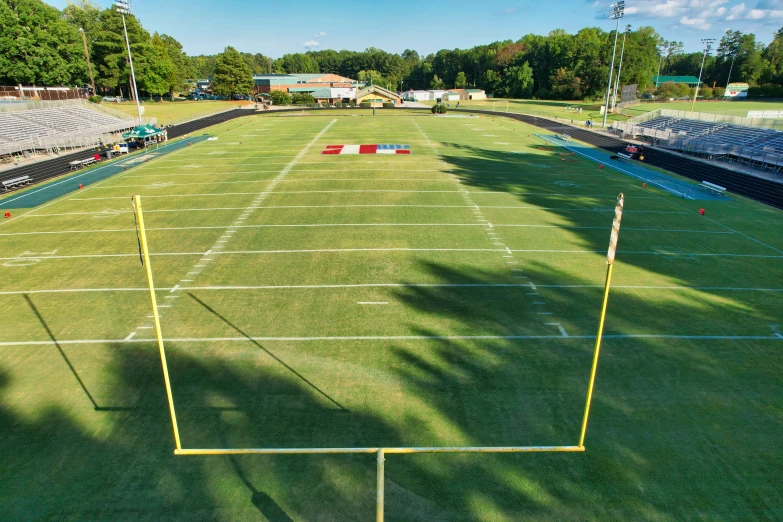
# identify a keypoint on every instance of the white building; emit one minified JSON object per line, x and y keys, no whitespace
{"x":437,"y":94}
{"x":417,"y":95}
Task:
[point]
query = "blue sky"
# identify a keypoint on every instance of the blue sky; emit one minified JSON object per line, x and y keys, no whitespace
{"x":206,"y":26}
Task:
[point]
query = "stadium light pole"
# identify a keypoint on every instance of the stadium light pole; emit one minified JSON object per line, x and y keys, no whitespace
{"x":707,"y":47}
{"x":617,"y":11}
{"x":661,"y":49}
{"x":620,"y":68}
{"x":89,"y":65}
{"x":123,"y":7}
{"x":728,"y":80}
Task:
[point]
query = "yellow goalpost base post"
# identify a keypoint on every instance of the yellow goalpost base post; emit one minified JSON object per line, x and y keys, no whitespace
{"x":618,"y":215}
{"x":148,"y":267}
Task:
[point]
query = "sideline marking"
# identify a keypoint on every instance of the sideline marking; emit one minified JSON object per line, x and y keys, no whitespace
{"x":372,"y":302}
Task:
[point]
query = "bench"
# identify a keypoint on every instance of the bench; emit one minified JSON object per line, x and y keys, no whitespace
{"x":21,"y":180}
{"x":712,"y":187}
{"x":82,"y":163}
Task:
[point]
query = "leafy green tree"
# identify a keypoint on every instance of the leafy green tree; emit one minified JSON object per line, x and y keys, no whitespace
{"x":156,"y":70}
{"x":461,"y":82}
{"x":182,"y":66}
{"x":518,"y":81}
{"x":280,"y":98}
{"x":232,"y":75}
{"x":437,"y":83}
{"x":110,"y":56}
{"x":37,"y":46}
{"x":490,"y":82}
{"x":371,"y":77}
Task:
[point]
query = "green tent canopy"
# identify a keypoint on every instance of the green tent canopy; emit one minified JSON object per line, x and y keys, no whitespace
{"x":143,"y":131}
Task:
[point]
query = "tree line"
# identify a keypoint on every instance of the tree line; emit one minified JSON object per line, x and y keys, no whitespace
{"x":40,"y":44}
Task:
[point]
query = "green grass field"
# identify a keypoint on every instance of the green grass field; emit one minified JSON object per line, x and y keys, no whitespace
{"x":546,"y":108}
{"x":591,"y":110}
{"x":482,"y":256}
{"x":731,"y":108}
{"x":167,"y":112}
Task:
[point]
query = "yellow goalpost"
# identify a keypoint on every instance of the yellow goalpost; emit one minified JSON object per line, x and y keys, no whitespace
{"x":380,"y":452}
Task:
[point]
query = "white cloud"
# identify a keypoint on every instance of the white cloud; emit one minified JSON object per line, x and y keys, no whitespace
{"x":320,"y":34}
{"x":701,"y":14}
{"x":510,"y":10}
{"x":735,"y":13}
{"x":311,"y":44}
{"x":698,"y":23}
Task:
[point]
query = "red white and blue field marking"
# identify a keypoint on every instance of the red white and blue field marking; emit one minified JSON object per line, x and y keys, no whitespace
{"x":367,"y":149}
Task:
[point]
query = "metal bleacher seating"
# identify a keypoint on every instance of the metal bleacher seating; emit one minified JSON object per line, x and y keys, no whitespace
{"x":678,"y":126}
{"x":48,"y":125}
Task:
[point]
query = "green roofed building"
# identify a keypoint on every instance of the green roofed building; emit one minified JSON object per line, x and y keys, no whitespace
{"x":690,"y":81}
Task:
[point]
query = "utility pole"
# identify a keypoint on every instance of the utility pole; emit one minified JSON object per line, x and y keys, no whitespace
{"x":707,"y":47}
{"x":89,"y":65}
{"x":617,"y":11}
{"x":123,"y":7}
{"x":620,"y":68}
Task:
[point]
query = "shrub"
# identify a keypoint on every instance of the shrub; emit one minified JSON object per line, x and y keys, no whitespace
{"x":95,"y":98}
{"x":718,"y":92}
{"x":767,"y":90}
{"x":706,"y":92}
{"x":302,"y":98}
{"x":442,"y":109}
{"x":388,"y":105}
{"x":365,"y":105}
{"x":280,"y":98}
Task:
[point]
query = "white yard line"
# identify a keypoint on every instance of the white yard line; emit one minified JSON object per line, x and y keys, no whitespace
{"x":49,"y":342}
{"x":306,"y":225}
{"x":205,"y":259}
{"x":237,"y":225}
{"x":466,"y":195}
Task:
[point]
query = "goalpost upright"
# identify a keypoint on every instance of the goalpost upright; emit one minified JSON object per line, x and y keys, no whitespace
{"x":379,"y":452}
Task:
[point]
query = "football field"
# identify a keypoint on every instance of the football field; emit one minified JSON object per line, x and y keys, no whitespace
{"x":446,"y":297}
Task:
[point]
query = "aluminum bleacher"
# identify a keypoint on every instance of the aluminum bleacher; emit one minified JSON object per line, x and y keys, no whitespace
{"x":49,"y":125}
{"x":710,"y":136}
